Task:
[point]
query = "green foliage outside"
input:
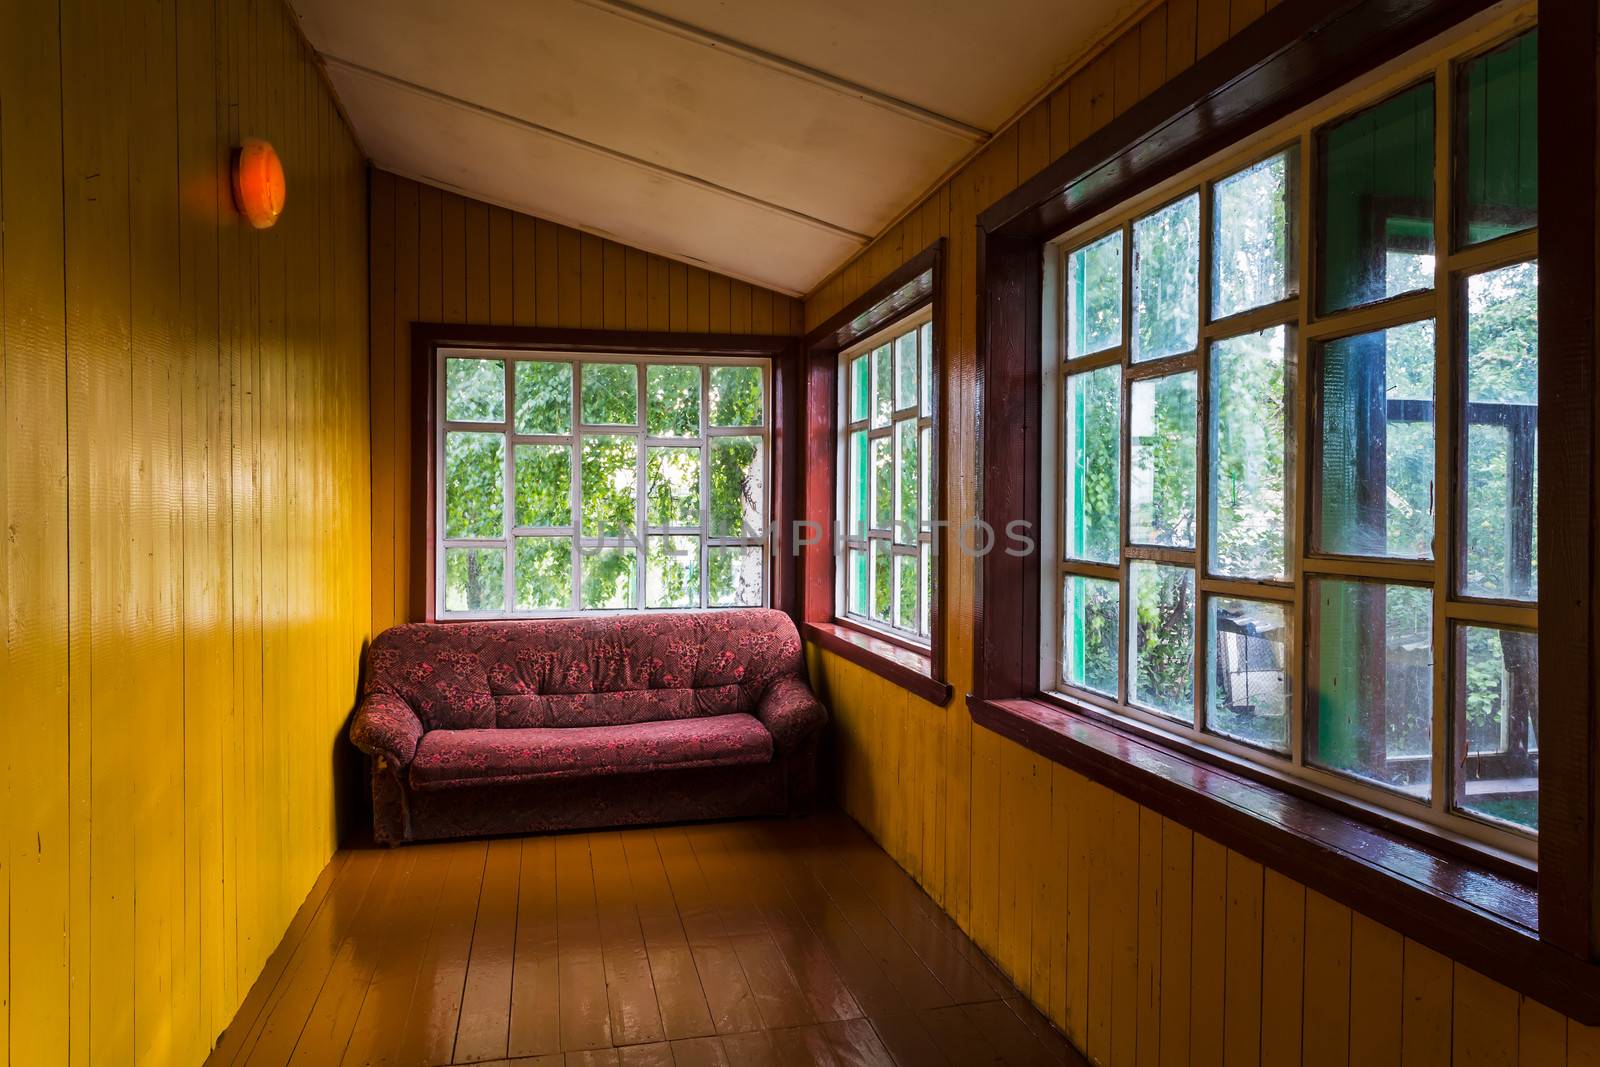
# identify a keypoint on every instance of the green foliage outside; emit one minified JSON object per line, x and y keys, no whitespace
{"x":544,"y":398}
{"x":1250,"y":249}
{"x":543,"y":485}
{"x":1163,"y":638}
{"x":1090,"y":628}
{"x":1166,"y":279}
{"x":672,"y":572}
{"x":908,"y":522}
{"x":736,"y":398}
{"x":610,"y":394}
{"x":1161,"y":505}
{"x":1094,"y":465}
{"x":672,"y":401}
{"x":1249,"y":410}
{"x":672,"y":486}
{"x":1094,"y":293}
{"x":475,"y":390}
{"x":473,"y":579}
{"x":543,"y":573}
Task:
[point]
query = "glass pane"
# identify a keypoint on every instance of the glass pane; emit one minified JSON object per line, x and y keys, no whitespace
{"x":736,"y":396}
{"x":860,"y":480}
{"x":735,"y":576}
{"x":1502,"y":472}
{"x":609,"y":577}
{"x":672,"y":401}
{"x":1252,"y":251}
{"x":672,"y":572}
{"x":474,"y":484}
{"x":610,"y":485}
{"x":1166,"y":280}
{"x":860,"y":388}
{"x":882,"y":580}
{"x":1376,"y":235}
{"x":1371,"y":682}
{"x":925,"y":346}
{"x":1375,"y":474}
{"x":925,"y":479}
{"x":1161,"y":461}
{"x":610,"y":394}
{"x":905,"y":370}
{"x":882,"y":387}
{"x":1497,"y":138}
{"x":474,"y":579}
{"x":544,"y":398}
{"x":856,"y":577}
{"x":474,"y":390}
{"x":908,"y":492}
{"x":737,"y":500}
{"x":672,"y":487}
{"x":1094,"y":296}
{"x":905,"y":600}
{"x":544,"y":485}
{"x":1162,"y":635}
{"x":1250,"y":417}
{"x":1089,"y":633}
{"x":1092,"y":480}
{"x":544,"y":573}
{"x":924,"y":622}
{"x":882,"y":484}
{"x":1497,"y":724}
{"x":1247,"y":682}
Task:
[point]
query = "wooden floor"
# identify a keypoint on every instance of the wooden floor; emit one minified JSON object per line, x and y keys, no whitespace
{"x":737,"y":943}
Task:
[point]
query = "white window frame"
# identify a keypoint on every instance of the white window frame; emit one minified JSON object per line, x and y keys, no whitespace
{"x":641,"y":533}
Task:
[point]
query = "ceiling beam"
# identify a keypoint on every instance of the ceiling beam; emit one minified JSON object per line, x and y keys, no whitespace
{"x":727,"y":45}
{"x":599,"y":149}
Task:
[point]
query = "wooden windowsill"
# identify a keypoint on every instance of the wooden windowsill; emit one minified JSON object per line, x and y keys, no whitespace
{"x":1479,"y":918}
{"x":911,"y":671}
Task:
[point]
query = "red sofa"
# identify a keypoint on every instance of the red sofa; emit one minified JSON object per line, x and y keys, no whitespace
{"x":521,"y":727}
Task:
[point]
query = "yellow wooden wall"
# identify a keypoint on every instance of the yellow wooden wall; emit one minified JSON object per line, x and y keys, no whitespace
{"x":1145,"y":942}
{"x":441,"y":257}
{"x":183,"y":493}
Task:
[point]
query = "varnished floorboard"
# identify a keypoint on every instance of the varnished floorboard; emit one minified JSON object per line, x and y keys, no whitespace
{"x":770,"y":942}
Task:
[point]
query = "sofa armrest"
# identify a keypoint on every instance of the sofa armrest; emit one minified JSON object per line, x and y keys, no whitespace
{"x":385,"y":727}
{"x":790,"y":712}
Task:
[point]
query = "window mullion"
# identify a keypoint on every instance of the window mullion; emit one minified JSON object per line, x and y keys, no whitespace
{"x":1448,"y":361}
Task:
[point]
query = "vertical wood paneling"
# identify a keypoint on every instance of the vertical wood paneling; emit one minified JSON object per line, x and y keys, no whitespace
{"x":187,"y":577}
{"x":439,"y":257}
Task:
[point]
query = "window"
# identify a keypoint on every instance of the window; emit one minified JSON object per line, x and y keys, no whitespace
{"x":598,"y":483}
{"x":886,"y":444}
{"x":1293,"y":474}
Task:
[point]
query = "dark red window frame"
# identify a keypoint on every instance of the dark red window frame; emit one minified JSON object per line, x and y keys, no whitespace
{"x":914,"y":285}
{"x":1536,"y":932}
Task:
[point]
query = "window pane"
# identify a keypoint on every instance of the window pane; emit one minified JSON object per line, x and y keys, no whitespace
{"x":474,"y":579}
{"x":474,"y":390}
{"x":609,"y":577}
{"x":908,"y":521}
{"x":610,"y":484}
{"x":672,"y":401}
{"x":735,"y":576}
{"x":1375,"y":474}
{"x":1252,"y":251}
{"x":905,"y":601}
{"x":925,"y":345}
{"x":1250,"y":415}
{"x":672,"y":572}
{"x":544,"y":398}
{"x":1497,"y":747}
{"x":1092,"y":481}
{"x":672,"y":486}
{"x":925,"y":557}
{"x":544,"y":485}
{"x":856,"y":577}
{"x":1089,"y":632}
{"x":1501,"y":476}
{"x":1371,"y":683}
{"x":1248,"y":682}
{"x":736,"y":396}
{"x":1376,"y":192}
{"x":905,"y":371}
{"x":610,"y":394}
{"x":882,"y":580}
{"x":925,"y":479}
{"x":474,"y":484}
{"x":736,"y":487}
{"x":882,"y":386}
{"x":1166,"y":280}
{"x":860,"y":388}
{"x":544,"y":573}
{"x":1497,"y":131}
{"x":1094,"y":296}
{"x":882,"y":483}
{"x":1162,"y":635}
{"x":860,"y":480}
{"x":1161,"y":461}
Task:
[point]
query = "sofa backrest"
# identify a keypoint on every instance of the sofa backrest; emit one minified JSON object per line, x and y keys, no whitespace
{"x":600,"y":671}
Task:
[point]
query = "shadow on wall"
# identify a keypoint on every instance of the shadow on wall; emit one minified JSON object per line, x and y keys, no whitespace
{"x":352,"y":800}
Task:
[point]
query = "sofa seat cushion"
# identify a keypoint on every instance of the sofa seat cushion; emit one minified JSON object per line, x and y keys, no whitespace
{"x":447,"y":758}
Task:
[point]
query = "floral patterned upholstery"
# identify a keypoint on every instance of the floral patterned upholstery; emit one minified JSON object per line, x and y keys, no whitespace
{"x":471,"y":710}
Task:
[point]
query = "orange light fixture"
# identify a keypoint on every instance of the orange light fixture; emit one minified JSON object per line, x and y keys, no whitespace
{"x":258,"y":184}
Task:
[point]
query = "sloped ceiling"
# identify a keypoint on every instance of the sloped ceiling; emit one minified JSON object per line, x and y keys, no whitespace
{"x":766,"y":139}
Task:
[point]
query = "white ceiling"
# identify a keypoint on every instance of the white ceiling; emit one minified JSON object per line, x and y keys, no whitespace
{"x":766,"y":139}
